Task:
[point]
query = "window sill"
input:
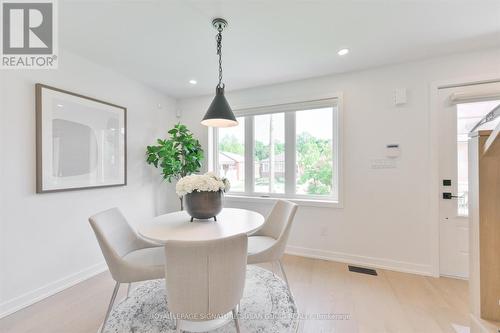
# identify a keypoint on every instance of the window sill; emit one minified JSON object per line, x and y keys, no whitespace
{"x":269,"y":200}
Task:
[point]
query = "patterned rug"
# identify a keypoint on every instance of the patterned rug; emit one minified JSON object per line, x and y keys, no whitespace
{"x":266,"y":306}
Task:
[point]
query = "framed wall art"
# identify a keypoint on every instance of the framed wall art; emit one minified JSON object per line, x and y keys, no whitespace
{"x":81,"y":142}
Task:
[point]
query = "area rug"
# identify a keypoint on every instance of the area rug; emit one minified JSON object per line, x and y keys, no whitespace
{"x":267,"y":306}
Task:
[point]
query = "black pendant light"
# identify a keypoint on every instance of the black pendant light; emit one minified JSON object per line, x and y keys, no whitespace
{"x":219,"y":113}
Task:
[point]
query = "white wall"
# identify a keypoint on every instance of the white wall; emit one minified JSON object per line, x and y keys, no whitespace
{"x":46,"y":242}
{"x":386,"y":220}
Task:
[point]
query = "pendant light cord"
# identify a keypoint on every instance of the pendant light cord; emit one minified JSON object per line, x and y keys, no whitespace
{"x":219,"y":52}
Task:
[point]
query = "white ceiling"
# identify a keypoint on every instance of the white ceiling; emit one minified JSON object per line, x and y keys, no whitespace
{"x":166,"y":43}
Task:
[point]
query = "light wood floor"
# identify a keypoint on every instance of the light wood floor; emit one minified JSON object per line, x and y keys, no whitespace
{"x":390,"y":302}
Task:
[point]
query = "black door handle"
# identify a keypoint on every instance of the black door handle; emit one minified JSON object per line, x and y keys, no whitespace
{"x":448,"y":195}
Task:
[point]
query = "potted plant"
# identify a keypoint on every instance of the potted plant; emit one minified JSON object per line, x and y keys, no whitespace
{"x":203,"y":194}
{"x":178,"y":156}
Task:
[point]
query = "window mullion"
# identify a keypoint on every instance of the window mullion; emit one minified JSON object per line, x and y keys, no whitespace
{"x":213,"y":140}
{"x":290,"y":155}
{"x":249,"y":149}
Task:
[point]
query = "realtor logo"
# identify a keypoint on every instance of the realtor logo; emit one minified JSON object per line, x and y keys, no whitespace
{"x":28,"y":34}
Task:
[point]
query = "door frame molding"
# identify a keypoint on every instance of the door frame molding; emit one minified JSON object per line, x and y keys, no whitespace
{"x":434,"y":190}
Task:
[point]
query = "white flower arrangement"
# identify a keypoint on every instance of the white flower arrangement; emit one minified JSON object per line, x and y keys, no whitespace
{"x":208,"y":182}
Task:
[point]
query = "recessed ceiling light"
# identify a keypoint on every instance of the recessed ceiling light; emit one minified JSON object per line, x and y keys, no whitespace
{"x":193,"y":81}
{"x":342,"y":52}
{"x":60,"y":105}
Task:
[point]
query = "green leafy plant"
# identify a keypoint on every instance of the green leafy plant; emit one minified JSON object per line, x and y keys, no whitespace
{"x":178,"y":156}
{"x":315,"y":161}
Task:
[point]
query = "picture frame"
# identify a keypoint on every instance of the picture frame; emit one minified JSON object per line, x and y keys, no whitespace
{"x":81,"y":142}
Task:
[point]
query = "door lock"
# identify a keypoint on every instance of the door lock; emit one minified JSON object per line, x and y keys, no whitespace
{"x":446,"y":182}
{"x":448,"y":196}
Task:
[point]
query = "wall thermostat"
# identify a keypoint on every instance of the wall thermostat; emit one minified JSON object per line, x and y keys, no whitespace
{"x":392,"y":150}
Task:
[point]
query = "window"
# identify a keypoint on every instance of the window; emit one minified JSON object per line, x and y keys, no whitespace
{"x":314,"y":144}
{"x":231,"y":157}
{"x":269,"y":153}
{"x":284,"y":151}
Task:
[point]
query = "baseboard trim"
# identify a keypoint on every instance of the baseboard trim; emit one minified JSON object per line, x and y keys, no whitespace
{"x":393,"y":265}
{"x":32,"y":297}
{"x":479,"y":325}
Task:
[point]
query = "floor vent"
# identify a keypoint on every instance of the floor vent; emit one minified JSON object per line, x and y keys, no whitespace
{"x":362,"y":270}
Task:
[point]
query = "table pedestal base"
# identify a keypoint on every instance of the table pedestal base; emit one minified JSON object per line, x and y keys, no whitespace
{"x":215,"y":218}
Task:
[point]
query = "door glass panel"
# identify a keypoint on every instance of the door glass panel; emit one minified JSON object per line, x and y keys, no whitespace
{"x":468,"y":115}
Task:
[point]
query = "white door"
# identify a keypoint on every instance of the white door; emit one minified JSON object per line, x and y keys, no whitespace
{"x":460,"y":108}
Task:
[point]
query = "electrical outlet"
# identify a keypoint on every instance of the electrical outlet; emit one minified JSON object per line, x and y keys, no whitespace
{"x":323,"y":232}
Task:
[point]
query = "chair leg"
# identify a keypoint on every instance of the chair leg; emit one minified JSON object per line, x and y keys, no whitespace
{"x":284,"y":275}
{"x":178,"y":326}
{"x":110,"y":306}
{"x":273,"y":267}
{"x":236,"y":321}
{"x":128,"y":289}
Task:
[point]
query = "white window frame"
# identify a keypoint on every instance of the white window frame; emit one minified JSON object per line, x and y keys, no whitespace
{"x":334,"y":200}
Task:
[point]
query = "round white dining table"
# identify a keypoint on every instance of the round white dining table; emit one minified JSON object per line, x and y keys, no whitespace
{"x":177,"y":226}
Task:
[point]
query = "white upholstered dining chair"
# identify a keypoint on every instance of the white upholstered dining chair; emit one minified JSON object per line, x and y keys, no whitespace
{"x":205,"y":281}
{"x":129,"y":257}
{"x":269,"y":242}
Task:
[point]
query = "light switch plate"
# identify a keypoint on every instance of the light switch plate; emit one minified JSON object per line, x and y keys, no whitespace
{"x":400,"y":96}
{"x":383,"y":164}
